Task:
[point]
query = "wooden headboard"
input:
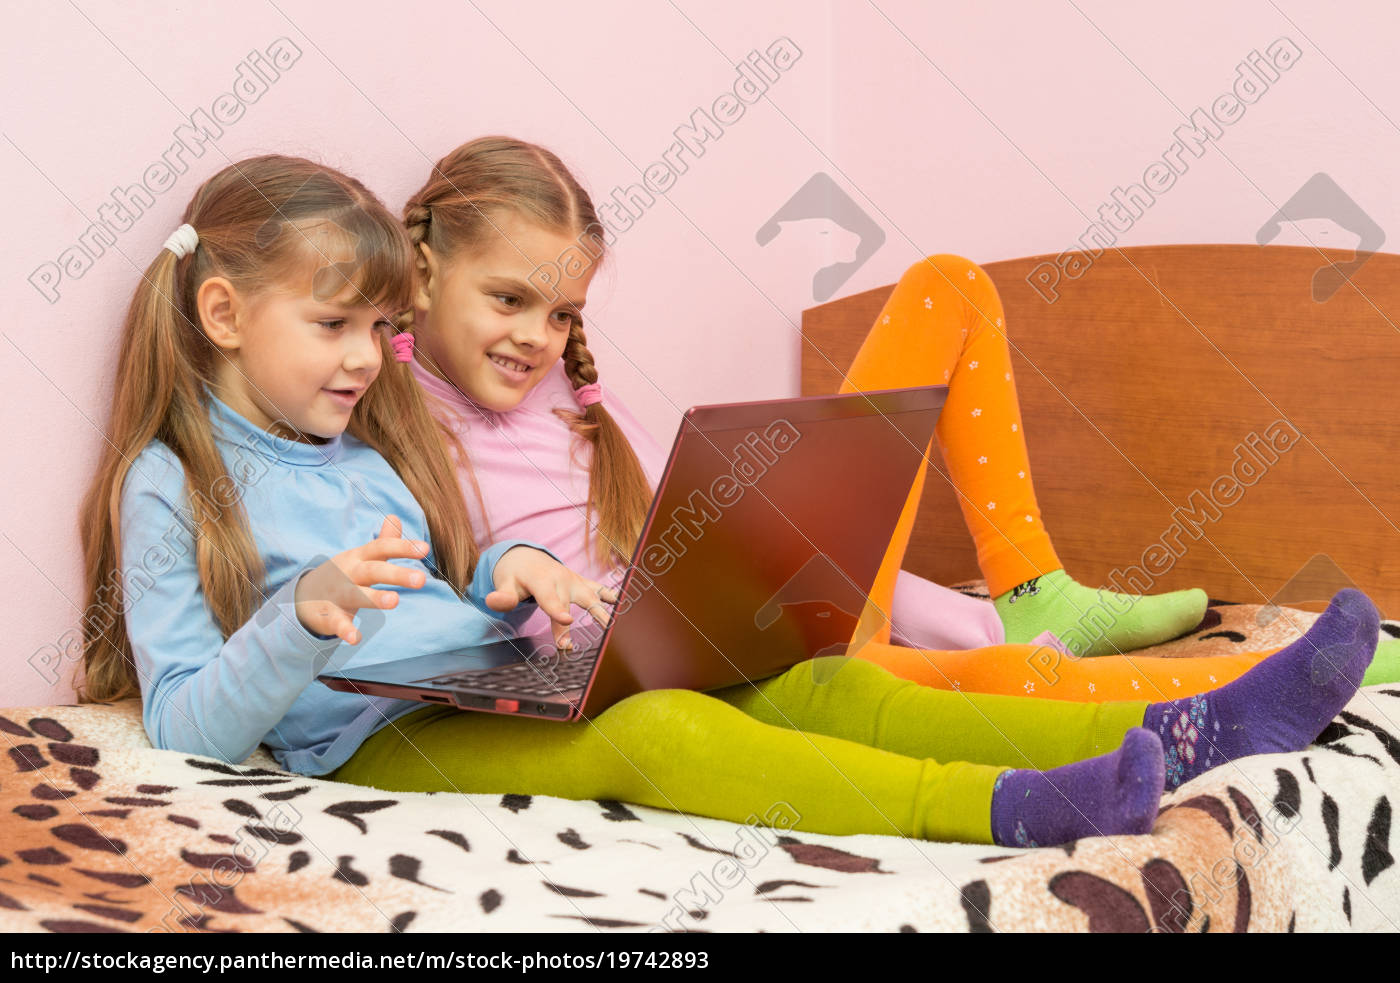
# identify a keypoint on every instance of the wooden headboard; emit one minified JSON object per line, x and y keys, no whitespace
{"x":1138,"y":383}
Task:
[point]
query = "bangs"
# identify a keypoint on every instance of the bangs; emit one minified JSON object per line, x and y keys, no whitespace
{"x":355,"y":257}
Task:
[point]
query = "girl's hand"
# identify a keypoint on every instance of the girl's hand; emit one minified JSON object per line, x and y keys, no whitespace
{"x":328,"y":596}
{"x":522,"y":572}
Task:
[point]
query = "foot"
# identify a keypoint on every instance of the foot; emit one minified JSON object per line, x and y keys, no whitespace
{"x":1279,"y":705}
{"x":1096,"y":622}
{"x":1114,"y":793}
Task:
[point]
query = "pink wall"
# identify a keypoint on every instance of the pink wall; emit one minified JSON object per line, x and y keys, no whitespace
{"x":991,"y":130}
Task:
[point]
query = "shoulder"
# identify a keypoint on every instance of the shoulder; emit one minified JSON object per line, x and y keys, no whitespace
{"x":153,"y":494}
{"x":156,"y":470}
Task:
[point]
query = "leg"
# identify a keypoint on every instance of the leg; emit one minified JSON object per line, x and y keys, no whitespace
{"x":1068,"y":782}
{"x":686,"y":752}
{"x":944,"y":324}
{"x":858,"y":701}
{"x":1385,"y":667}
{"x":1042,"y":672}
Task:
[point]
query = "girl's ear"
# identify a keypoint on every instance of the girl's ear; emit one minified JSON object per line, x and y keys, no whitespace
{"x":427,"y":267}
{"x":218,"y":305}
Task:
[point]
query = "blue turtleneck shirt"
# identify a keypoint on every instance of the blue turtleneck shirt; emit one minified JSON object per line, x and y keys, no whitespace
{"x":206,"y":694}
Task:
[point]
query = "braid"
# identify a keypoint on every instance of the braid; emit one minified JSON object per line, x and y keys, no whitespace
{"x":578,"y":360}
{"x":417,"y":219}
{"x":618,"y":492}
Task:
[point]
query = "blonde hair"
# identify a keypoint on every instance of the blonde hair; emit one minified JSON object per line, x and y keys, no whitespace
{"x":250,"y":218}
{"x":455,"y":213}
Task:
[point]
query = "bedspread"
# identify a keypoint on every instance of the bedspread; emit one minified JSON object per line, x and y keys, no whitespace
{"x":101,"y":832}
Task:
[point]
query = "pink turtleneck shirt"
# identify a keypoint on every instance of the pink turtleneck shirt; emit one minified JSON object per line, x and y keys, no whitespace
{"x":533,"y":477}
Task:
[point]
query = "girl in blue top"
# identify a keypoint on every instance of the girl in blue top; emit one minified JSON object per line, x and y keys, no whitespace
{"x":272,"y":474}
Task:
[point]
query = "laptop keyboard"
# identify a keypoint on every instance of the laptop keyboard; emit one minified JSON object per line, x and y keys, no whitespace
{"x":525,"y":678}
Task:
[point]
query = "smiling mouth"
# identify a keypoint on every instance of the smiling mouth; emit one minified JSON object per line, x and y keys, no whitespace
{"x":508,"y":363}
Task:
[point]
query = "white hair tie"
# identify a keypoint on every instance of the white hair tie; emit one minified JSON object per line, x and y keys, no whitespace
{"x":182,"y":241}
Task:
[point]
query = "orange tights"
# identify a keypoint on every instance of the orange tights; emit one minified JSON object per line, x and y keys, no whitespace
{"x":944,"y":325}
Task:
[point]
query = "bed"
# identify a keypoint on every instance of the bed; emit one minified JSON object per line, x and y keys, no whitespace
{"x":102,"y":832}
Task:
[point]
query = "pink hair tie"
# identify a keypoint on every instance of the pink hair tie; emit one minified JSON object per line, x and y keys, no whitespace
{"x":403,"y":346}
{"x":589,"y":394}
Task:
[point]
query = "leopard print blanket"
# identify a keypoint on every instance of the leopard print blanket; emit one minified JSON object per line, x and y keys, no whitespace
{"x":101,"y":832}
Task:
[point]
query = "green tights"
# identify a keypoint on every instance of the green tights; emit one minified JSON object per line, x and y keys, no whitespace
{"x":838,"y":745}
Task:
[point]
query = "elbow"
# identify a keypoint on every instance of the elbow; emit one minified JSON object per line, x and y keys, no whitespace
{"x":185,"y":738}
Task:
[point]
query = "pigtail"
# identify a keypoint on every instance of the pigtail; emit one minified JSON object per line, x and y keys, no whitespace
{"x":417,"y":221}
{"x":618,"y":493}
{"x":156,"y":397}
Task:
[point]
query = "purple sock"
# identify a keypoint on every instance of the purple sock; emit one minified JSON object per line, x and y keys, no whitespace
{"x":1279,"y":705}
{"x":1113,"y":793}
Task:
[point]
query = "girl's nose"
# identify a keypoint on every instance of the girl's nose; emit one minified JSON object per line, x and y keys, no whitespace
{"x":529,"y":332}
{"x":364,"y":352}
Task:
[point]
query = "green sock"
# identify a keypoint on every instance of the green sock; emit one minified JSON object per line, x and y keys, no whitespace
{"x":1096,"y":622}
{"x":1385,"y":667}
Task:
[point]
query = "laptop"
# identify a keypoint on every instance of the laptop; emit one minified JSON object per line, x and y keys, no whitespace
{"x":759,"y":552}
